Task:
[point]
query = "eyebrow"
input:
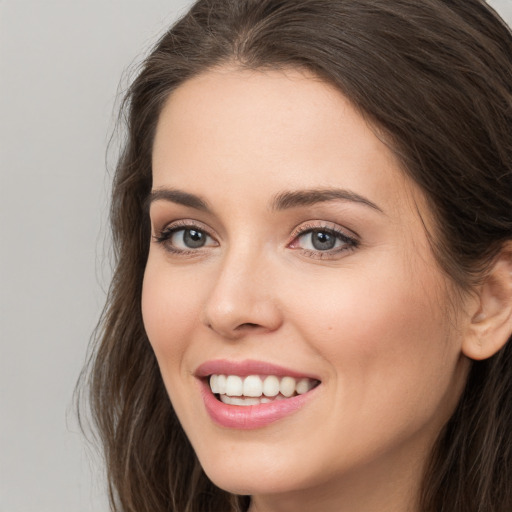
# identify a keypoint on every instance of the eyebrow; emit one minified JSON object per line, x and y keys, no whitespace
{"x":178,"y":197}
{"x":282,"y":201}
{"x":296,"y":198}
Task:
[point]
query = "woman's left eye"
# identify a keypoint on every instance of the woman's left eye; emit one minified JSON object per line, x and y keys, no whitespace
{"x":323,"y":241}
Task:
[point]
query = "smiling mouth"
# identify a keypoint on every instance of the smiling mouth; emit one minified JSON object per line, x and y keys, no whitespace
{"x":258,"y":389}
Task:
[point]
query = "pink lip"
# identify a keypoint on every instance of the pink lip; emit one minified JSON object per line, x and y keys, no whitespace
{"x":252,"y":416}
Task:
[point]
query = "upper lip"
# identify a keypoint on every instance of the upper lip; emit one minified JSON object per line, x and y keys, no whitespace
{"x":247,"y":367}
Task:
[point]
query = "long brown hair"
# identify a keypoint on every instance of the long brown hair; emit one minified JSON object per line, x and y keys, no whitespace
{"x":433,"y":76}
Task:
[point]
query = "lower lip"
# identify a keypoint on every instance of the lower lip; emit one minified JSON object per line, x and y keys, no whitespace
{"x":251,"y":416}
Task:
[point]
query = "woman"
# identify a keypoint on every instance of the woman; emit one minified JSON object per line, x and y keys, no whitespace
{"x":312,"y":303}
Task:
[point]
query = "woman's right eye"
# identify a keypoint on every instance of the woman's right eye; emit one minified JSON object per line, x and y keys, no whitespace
{"x":185,"y":239}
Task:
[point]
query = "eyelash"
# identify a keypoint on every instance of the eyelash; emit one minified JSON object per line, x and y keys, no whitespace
{"x":164,"y":236}
{"x":349,"y":242}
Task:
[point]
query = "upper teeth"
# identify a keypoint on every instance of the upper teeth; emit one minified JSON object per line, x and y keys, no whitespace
{"x":256,"y":386}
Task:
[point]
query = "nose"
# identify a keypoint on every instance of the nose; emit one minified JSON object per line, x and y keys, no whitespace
{"x":243,"y":299}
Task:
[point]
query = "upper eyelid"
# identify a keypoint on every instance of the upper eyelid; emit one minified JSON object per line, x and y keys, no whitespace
{"x":311,"y":225}
{"x":183,"y":224}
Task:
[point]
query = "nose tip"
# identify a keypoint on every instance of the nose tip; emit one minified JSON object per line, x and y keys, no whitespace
{"x":239,"y":306}
{"x":234,"y":325}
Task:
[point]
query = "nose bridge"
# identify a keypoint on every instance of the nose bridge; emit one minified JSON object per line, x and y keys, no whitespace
{"x":242,"y":297}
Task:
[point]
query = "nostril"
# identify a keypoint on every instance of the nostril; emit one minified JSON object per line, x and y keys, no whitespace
{"x":247,"y":325}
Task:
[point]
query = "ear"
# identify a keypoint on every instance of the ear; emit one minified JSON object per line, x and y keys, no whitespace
{"x":491,"y":323}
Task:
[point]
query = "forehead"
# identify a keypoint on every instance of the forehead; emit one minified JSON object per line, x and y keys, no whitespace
{"x":237,"y":128}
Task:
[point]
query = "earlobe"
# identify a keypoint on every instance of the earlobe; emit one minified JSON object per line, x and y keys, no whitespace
{"x":491,"y":324}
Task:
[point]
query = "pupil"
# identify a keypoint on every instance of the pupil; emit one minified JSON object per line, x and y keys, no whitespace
{"x":193,"y":238}
{"x":323,"y":241}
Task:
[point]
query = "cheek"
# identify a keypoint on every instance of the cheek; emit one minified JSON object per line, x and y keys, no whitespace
{"x":169,"y":311}
{"x":387,"y":340}
{"x":381,"y":306}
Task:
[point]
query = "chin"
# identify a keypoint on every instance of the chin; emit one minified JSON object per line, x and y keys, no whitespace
{"x":254,"y":479}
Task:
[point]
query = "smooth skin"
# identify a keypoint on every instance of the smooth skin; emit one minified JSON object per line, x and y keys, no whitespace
{"x":234,"y":273}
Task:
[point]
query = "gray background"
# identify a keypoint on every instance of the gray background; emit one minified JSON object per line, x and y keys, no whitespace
{"x":60,"y":67}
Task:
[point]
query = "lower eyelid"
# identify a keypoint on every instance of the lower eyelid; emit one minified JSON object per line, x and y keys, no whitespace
{"x":334,"y":253}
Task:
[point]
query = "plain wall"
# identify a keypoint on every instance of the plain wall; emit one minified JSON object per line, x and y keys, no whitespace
{"x":60,"y":66}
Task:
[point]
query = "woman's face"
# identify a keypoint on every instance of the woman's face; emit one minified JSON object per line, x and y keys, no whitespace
{"x":287,"y":247}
